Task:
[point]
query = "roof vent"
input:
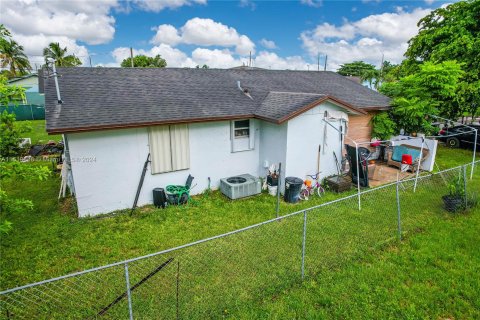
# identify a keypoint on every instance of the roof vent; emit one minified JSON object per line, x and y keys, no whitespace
{"x":245,"y":91}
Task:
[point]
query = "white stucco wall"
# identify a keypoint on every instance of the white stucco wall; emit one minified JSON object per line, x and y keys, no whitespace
{"x":110,"y":181}
{"x":305,"y":134}
{"x":273,"y":146}
{"x":106,"y":165}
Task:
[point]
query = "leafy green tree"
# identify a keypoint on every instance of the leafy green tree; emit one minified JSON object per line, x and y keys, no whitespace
{"x":372,"y":76}
{"x":431,"y":90}
{"x":142,"y":61}
{"x":4,"y":33}
{"x":10,"y":94}
{"x":59,"y":54}
{"x":11,"y":168}
{"x":202,"y":67}
{"x":12,"y":55}
{"x":452,"y":33}
{"x":383,"y":126}
{"x":355,"y":69}
{"x":389,"y":72}
{"x":10,"y":131}
{"x":365,"y":71}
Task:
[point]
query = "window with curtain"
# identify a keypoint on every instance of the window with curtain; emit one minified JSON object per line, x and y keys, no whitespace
{"x":169,"y":148}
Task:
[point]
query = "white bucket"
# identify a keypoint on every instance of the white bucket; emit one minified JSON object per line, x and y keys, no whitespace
{"x":272,"y":190}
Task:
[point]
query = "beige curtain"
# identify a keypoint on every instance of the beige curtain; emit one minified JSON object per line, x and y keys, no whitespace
{"x":169,"y":148}
{"x":180,"y":147}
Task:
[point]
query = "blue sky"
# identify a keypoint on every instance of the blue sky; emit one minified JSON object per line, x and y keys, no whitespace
{"x":280,"y":34}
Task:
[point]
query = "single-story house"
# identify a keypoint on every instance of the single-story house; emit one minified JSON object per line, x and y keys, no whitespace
{"x":33,"y":105}
{"x":208,"y":123}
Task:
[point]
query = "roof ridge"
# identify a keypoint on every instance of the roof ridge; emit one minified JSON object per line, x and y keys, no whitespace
{"x":295,"y":92}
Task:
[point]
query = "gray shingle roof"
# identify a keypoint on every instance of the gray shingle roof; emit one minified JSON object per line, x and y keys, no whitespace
{"x":290,"y":103}
{"x":97,"y":98}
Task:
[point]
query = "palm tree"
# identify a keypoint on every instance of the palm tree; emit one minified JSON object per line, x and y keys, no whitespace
{"x":372,"y":76}
{"x":4,"y":32}
{"x":55,"y":52}
{"x":13,"y":57}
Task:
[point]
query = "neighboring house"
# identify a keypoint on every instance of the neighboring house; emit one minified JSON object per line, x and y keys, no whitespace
{"x":209,"y":123}
{"x":26,"y":81}
{"x":33,"y":106}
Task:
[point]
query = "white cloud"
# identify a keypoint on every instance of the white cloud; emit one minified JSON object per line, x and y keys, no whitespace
{"x":366,"y":39}
{"x":312,"y":3}
{"x":248,"y":4}
{"x":159,"y":5}
{"x":88,"y":21}
{"x":176,"y":58}
{"x":270,"y":60}
{"x":214,"y":58}
{"x":368,"y":42}
{"x":35,"y":24}
{"x":204,"y":32}
{"x":173,"y":56}
{"x":34,"y":44}
{"x":166,"y":33}
{"x":269,"y":44}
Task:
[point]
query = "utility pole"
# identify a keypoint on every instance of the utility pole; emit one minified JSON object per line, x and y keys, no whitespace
{"x":90,"y":60}
{"x":325,"y":66}
{"x":131,"y":56}
{"x":250,"y":61}
{"x":318,"y":61}
{"x":381,"y":66}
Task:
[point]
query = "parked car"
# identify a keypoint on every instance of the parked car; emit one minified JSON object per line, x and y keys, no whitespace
{"x":460,"y":136}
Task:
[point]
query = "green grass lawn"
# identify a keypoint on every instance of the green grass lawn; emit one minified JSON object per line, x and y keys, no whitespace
{"x":432,"y":275}
{"x":355,"y":268}
{"x":38,"y":134}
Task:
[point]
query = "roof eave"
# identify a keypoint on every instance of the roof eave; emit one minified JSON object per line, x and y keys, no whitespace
{"x":292,"y":115}
{"x":145,"y":124}
{"x":311,"y":105}
{"x":377,"y":108}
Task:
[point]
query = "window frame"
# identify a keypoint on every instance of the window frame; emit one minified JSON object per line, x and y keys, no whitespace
{"x":235,"y":129}
{"x":244,"y":142}
{"x":173,"y":157}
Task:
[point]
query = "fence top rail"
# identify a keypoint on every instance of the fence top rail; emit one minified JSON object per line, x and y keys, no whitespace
{"x":123,"y":262}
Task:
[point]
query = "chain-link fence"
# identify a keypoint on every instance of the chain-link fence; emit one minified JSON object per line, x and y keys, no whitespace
{"x":214,"y":277}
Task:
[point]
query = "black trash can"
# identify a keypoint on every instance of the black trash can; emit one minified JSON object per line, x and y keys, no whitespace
{"x":159,"y":197}
{"x":293,"y":185}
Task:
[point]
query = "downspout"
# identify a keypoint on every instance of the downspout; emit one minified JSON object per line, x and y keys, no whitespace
{"x":59,"y":98}
{"x":68,"y":160}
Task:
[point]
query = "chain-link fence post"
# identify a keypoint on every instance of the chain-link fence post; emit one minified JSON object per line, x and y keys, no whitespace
{"x":279,"y":183}
{"x":465,"y":185}
{"x":178,"y":290}
{"x":399,"y":220}
{"x":129,"y":294}
{"x":304,"y":242}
